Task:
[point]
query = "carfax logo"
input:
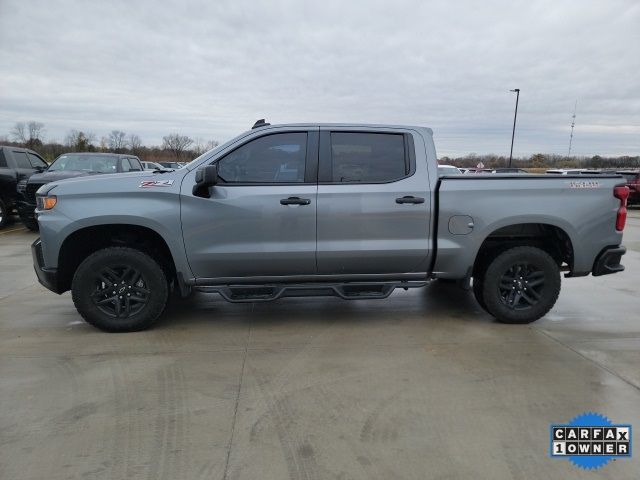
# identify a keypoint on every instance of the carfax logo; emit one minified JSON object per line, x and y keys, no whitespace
{"x":590,"y":441}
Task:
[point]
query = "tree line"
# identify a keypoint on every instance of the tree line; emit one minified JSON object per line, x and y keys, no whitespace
{"x":175,"y":146}
{"x":178,"y":147}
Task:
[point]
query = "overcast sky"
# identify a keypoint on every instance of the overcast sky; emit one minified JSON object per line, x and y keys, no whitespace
{"x":211,"y":69}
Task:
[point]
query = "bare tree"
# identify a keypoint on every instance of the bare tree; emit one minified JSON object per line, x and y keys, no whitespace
{"x":134,"y":142}
{"x":29,"y":134}
{"x":36,"y":131}
{"x":19,"y":132}
{"x":176,"y":143}
{"x":117,"y":140}
{"x":200,"y":146}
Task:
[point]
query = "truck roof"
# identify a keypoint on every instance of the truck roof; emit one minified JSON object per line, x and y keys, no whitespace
{"x":344,"y":125}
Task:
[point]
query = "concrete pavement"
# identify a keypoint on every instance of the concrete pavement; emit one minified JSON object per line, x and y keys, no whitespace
{"x":421,"y":385}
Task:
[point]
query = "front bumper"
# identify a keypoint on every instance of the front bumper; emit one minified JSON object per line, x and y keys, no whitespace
{"x":46,"y":276}
{"x":609,"y":261}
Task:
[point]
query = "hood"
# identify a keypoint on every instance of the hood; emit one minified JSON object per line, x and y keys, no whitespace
{"x":46,"y":177}
{"x":114,"y":183}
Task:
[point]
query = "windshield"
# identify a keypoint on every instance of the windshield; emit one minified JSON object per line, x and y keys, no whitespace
{"x":85,"y":163}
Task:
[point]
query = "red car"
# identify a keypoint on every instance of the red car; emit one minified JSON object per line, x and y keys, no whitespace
{"x":633,"y":182}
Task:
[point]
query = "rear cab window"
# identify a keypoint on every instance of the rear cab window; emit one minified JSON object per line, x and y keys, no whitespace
{"x":365,"y":157}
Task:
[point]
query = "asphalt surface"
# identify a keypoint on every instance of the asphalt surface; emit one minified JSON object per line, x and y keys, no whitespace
{"x":421,"y":385}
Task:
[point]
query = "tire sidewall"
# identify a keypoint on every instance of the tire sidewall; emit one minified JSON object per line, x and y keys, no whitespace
{"x":549,"y":293}
{"x":84,"y":280}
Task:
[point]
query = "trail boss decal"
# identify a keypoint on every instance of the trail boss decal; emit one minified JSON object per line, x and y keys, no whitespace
{"x":155,"y":183}
{"x":584,"y":184}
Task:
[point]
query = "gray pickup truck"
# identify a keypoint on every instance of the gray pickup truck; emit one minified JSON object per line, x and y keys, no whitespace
{"x":353,"y":211}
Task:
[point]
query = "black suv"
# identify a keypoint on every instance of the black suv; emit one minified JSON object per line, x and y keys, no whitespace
{"x":16,"y":165}
{"x":71,"y":165}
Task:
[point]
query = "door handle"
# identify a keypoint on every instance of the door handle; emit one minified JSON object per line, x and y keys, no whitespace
{"x":409,"y":199}
{"x":295,"y":201}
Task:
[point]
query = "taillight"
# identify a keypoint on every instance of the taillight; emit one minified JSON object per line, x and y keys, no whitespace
{"x":621,"y":192}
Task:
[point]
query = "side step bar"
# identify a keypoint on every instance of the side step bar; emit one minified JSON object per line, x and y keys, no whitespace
{"x":347,"y":291}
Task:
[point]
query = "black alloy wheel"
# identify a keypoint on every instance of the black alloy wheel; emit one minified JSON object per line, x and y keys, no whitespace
{"x":120,"y":291}
{"x":520,"y":285}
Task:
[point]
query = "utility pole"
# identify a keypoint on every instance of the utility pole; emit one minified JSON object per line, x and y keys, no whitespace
{"x":515,"y":115}
{"x":573,"y":124}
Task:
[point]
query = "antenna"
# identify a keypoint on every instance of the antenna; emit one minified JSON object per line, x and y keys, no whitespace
{"x":573,"y":124}
{"x":260,"y":123}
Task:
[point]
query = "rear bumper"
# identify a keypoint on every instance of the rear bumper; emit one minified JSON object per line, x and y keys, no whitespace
{"x":609,"y":261}
{"x":48,"y":277}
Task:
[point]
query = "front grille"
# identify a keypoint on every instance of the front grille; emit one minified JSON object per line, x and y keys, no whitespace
{"x":31,"y":191}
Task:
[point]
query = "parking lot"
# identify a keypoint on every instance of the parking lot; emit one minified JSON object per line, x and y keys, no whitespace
{"x":421,"y":385}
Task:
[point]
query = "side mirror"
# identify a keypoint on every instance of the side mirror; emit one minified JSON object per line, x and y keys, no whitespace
{"x":205,"y":177}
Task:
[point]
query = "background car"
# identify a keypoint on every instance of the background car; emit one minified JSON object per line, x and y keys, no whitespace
{"x":152,"y":166}
{"x":16,"y":166}
{"x":70,"y":165}
{"x":633,"y":182}
{"x":173,"y":165}
{"x":448,"y":170}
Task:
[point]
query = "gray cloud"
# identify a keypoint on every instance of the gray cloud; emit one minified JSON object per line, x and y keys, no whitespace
{"x":210,"y":69}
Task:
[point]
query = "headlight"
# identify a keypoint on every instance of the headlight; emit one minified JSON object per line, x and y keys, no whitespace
{"x":46,"y":202}
{"x":22,"y":186}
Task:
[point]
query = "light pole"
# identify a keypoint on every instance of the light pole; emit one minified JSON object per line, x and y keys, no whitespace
{"x":515,"y":115}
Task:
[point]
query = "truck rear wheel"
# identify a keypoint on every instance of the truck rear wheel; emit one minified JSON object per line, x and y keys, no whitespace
{"x":521,"y":285}
{"x":119,"y":289}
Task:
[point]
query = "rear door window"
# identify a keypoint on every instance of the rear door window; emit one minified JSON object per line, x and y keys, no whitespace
{"x":368,"y":157}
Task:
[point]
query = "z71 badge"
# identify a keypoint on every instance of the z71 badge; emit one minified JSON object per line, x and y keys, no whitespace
{"x":155,"y":183}
{"x":584,"y":184}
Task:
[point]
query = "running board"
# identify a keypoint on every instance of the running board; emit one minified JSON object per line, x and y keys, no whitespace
{"x":347,"y":291}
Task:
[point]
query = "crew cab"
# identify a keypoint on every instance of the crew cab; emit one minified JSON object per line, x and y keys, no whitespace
{"x":349,"y":210}
{"x":70,"y":165}
{"x":16,"y":165}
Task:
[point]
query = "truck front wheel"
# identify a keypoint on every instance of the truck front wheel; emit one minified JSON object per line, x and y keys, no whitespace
{"x":119,"y":289}
{"x":521,"y":285}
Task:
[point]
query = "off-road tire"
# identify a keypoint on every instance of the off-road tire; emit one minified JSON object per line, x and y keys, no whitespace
{"x":92,"y":291}
{"x":534,"y":290}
